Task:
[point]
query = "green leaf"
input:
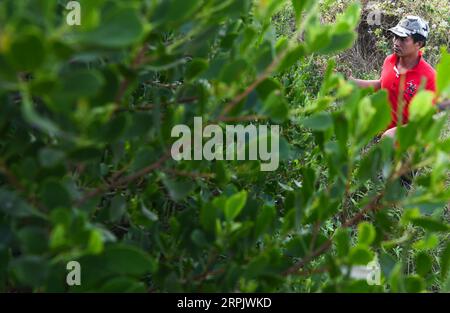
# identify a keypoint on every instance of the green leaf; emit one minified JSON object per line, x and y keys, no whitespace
{"x":276,"y":107}
{"x":32,"y":117}
{"x":414,"y":283}
{"x":382,"y":117}
{"x":30,"y":270}
{"x":4,"y":264}
{"x":95,"y":243}
{"x":291,"y":58}
{"x":423,"y":263}
{"x":222,"y":175}
{"x":266,"y":87}
{"x":58,"y":237}
{"x":443,"y":79}
{"x":178,"y":189}
{"x":208,"y":215}
{"x":370,"y":165}
{"x":300,"y":246}
{"x":13,"y":205}
{"x":445,"y":261}
{"x":33,"y":239}
{"x":27,"y":51}
{"x":396,"y":279}
{"x":366,"y":233}
{"x":118,"y":28}
{"x":232,"y":72}
{"x":114,"y":128}
{"x":49,"y":157}
{"x":235,"y":204}
{"x":429,"y":242}
{"x":350,"y":18}
{"x":300,"y":6}
{"x":150,"y":215}
{"x":117,"y":208}
{"x":54,"y":194}
{"x":318,"y":122}
{"x":198,"y":237}
{"x":338,"y":42}
{"x":387,"y":263}
{"x":85,"y":154}
{"x":421,"y":105}
{"x":128,"y":260}
{"x":175,"y":11}
{"x":123,"y":284}
{"x":430,"y":224}
{"x":81,"y":83}
{"x":360,"y":255}
{"x":342,"y":242}
{"x":265,"y":219}
{"x":195,"y":68}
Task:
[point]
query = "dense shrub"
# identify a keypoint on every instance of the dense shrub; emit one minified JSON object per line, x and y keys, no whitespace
{"x":86,"y":173}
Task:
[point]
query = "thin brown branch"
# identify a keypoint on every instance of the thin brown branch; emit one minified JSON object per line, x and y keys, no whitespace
{"x":135,"y":63}
{"x":205,"y":275}
{"x":313,"y":271}
{"x":12,"y":179}
{"x":151,"y":106}
{"x":374,"y":205}
{"x":163,"y":85}
{"x":124,"y":180}
{"x":189,"y":174}
{"x":240,"y":118}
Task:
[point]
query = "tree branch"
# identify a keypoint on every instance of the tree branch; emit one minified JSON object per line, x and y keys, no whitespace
{"x":124,"y":180}
{"x":374,"y":205}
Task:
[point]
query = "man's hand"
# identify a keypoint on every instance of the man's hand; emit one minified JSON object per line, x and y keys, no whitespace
{"x":376,"y":84}
{"x":348,"y":73}
{"x":445,"y":105}
{"x":389,"y":133}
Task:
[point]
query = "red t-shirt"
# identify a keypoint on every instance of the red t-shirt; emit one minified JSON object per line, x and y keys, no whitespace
{"x":390,"y":80}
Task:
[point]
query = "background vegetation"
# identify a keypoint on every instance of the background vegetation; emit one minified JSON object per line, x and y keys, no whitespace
{"x":85,"y":169}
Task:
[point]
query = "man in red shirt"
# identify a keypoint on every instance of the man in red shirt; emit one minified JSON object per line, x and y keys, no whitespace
{"x":404,"y":71}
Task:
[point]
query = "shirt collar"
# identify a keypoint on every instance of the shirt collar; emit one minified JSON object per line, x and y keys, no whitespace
{"x":394,"y":60}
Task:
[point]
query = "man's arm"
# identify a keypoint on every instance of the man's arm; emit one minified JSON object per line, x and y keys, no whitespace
{"x":376,"y":84}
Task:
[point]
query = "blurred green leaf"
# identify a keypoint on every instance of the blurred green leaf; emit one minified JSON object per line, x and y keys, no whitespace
{"x":235,"y":204}
{"x":54,"y":194}
{"x":30,"y":270}
{"x":360,"y":255}
{"x":118,"y":28}
{"x":128,"y":260}
{"x":423,"y":263}
{"x":27,"y":51}
{"x":430,"y":224}
{"x":366,"y":233}
{"x":445,"y":261}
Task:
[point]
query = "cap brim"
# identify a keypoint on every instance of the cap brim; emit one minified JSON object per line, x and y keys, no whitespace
{"x":399,"y":31}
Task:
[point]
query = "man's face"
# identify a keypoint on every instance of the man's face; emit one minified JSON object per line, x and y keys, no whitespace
{"x":405,"y":46}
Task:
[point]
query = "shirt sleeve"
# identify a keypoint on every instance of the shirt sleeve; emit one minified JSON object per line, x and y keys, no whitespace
{"x":382,"y":69}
